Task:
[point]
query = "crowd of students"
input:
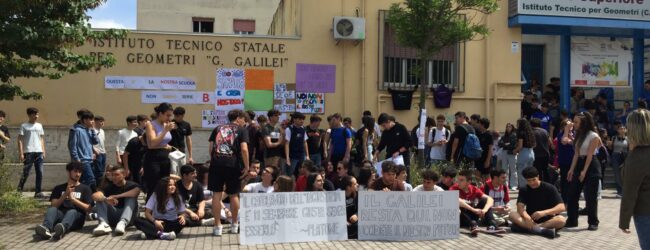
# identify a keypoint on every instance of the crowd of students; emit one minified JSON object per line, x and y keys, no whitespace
{"x":266,"y":155}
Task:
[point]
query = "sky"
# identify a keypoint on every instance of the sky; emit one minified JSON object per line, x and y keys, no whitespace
{"x":114,"y":14}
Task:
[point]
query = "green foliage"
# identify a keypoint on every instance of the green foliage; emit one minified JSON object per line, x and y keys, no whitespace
{"x":37,"y":38}
{"x":6,"y":175}
{"x":14,"y":202}
{"x":431,"y":25}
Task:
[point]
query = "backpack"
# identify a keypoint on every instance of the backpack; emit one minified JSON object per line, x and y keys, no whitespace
{"x":472,"y":147}
{"x":224,"y":141}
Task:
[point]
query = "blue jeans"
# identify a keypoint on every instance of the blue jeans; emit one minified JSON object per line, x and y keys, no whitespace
{"x":642,"y":225}
{"x":616,"y":162}
{"x":290,"y":168}
{"x":35,"y":159}
{"x":316,"y":158}
{"x":112,"y":215}
{"x":71,"y":219}
{"x":87,"y":176}
{"x":99,"y":165}
{"x":525,"y":159}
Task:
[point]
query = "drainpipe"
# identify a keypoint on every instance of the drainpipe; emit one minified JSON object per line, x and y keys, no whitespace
{"x":488,"y":73}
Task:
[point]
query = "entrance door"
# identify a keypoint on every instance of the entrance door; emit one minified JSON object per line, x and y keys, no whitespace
{"x":532,"y":63}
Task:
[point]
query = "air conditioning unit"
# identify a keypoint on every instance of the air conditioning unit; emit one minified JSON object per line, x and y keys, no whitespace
{"x":349,"y":28}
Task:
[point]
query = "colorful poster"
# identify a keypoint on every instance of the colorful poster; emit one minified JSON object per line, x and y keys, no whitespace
{"x":177,"y":97}
{"x":149,"y":82}
{"x":213,"y":118}
{"x":310,"y":103}
{"x":293,"y":217}
{"x":230,"y":90}
{"x":315,"y":78}
{"x":259,"y":79}
{"x":601,"y":62}
{"x":258,"y":100}
{"x":284,"y":97}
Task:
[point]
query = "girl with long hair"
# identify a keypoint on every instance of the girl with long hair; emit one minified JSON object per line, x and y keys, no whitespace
{"x":524,"y":149}
{"x":163,"y":213}
{"x":508,"y":143}
{"x":315,"y":182}
{"x":156,"y":162}
{"x":585,"y":171}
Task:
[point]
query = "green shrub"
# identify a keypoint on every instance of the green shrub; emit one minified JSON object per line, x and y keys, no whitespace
{"x":6,"y":175}
{"x":14,"y":202}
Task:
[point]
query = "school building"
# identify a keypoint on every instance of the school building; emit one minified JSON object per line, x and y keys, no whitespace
{"x":186,"y":42}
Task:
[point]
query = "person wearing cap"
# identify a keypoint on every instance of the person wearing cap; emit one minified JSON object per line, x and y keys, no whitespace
{"x":296,"y":149}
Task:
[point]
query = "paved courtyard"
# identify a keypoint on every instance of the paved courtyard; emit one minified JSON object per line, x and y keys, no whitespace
{"x":607,"y":237}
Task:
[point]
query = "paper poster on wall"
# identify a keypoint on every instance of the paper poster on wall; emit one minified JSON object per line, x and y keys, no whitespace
{"x":310,"y":103}
{"x":230,"y":89}
{"x":408,"y":216}
{"x":292,"y":217}
{"x":149,"y":82}
{"x":315,"y":78}
{"x":259,"y":79}
{"x":601,"y":62}
{"x":284,"y":97}
{"x":213,"y":118}
{"x":177,"y":97}
{"x":258,"y":100}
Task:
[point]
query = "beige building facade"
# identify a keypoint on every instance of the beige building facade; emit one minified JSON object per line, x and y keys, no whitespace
{"x":487,"y":75}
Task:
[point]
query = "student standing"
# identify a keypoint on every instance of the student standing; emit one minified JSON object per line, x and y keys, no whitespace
{"x":182,"y":135}
{"x":296,"y":149}
{"x":315,"y":137}
{"x":484,"y":163}
{"x":508,"y":143}
{"x":80,"y":144}
{"x":340,"y":141}
{"x":4,"y":135}
{"x":156,"y":162}
{"x":437,"y":140}
{"x":364,"y":141}
{"x":273,"y":141}
{"x":31,"y":149}
{"x":395,"y":139}
{"x":99,"y":164}
{"x":124,"y":135}
{"x":524,"y":150}
{"x":584,"y":172}
{"x":542,"y":149}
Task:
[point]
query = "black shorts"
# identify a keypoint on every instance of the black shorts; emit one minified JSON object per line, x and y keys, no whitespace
{"x":544,"y":219}
{"x":220,"y":175}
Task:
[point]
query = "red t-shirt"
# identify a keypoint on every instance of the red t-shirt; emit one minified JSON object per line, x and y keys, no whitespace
{"x":473,"y":194}
{"x":301,"y":183}
{"x":500,"y":194}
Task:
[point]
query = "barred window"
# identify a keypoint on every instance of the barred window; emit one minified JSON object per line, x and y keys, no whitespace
{"x":398,"y":69}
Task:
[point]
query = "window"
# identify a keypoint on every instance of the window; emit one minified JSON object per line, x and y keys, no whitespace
{"x":202,"y":25}
{"x":243,"y":27}
{"x":398,"y":69}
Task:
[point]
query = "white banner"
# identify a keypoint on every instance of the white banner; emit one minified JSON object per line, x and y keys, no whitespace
{"x":601,"y":62}
{"x":149,"y":82}
{"x":408,"y":216}
{"x":422,"y":130}
{"x":292,"y":217}
{"x":610,"y":9}
{"x":177,"y":97}
{"x":213,"y":118}
{"x":399,"y":160}
{"x":230,"y":89}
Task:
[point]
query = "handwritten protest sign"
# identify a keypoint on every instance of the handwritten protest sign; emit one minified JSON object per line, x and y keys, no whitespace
{"x":230,"y":90}
{"x":292,"y":217}
{"x":284,"y":97}
{"x":213,"y":118}
{"x":310,"y":103}
{"x":407,"y":216}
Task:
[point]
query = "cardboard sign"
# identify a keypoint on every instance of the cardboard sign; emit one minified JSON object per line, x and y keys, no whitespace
{"x":292,"y":217}
{"x":284,"y":97}
{"x":213,"y":118}
{"x":230,"y":89}
{"x":310,"y":103}
{"x":315,"y":78}
{"x":408,"y":216}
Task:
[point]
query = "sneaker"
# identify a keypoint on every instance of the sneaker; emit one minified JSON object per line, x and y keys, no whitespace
{"x":234,"y":228}
{"x":59,"y":231}
{"x":548,"y":233}
{"x":473,"y":229}
{"x":513,"y":189}
{"x":571,"y":225}
{"x":143,"y":236}
{"x":102,"y":229}
{"x":582,"y":211}
{"x":39,"y":195}
{"x":619,"y":196}
{"x":119,"y":229}
{"x":217,"y":231}
{"x":592,"y":228}
{"x":207,"y":222}
{"x":43,"y":232}
{"x":495,"y":230}
{"x":92,"y":216}
{"x":168,"y":236}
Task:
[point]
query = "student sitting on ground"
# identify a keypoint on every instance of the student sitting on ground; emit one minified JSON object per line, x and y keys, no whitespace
{"x":429,"y":180}
{"x":350,"y":186}
{"x":327,"y":184}
{"x":269,"y":174}
{"x":496,"y":188}
{"x":388,"y":180}
{"x":538,"y":207}
{"x":69,"y":203}
{"x":253,"y":174}
{"x":448,"y":178}
{"x":341,"y":171}
{"x":366,"y":176}
{"x":475,"y":205}
{"x":116,"y":203}
{"x":314,"y":182}
{"x":191,"y":192}
{"x":402,"y":175}
{"x":306,"y":168}
{"x":163,"y":213}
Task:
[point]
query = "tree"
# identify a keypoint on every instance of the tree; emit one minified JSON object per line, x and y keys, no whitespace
{"x":37,"y":38}
{"x":429,"y":26}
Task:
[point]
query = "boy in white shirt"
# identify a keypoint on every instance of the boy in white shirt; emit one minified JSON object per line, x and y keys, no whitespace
{"x":31,"y":149}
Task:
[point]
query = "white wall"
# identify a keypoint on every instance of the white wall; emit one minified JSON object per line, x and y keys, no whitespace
{"x":551,"y":54}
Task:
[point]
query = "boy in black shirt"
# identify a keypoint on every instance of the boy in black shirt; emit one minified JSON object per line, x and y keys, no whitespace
{"x":538,"y":207}
{"x":117,"y":203}
{"x":395,"y":138}
{"x":462,"y":130}
{"x":448,"y":178}
{"x":191,"y":192}
{"x":349,"y":185}
{"x":70,"y":202}
{"x":182,"y":135}
{"x":485,"y":138}
{"x":132,"y":158}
